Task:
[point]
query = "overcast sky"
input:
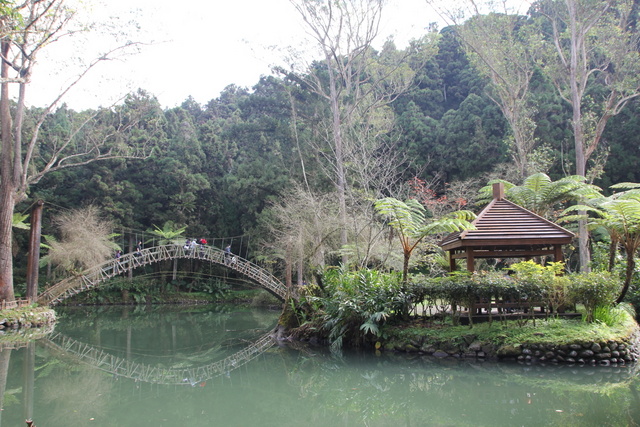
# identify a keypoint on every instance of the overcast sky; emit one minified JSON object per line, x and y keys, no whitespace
{"x":200,"y":47}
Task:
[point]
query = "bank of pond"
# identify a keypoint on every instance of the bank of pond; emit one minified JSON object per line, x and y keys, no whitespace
{"x":535,"y":314}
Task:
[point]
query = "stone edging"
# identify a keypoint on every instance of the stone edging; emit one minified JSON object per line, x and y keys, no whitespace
{"x":27,"y":318}
{"x":610,"y":353}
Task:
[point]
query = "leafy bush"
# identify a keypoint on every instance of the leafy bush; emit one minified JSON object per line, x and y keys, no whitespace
{"x":593,"y":290}
{"x":613,"y":315}
{"x":356,"y":303}
{"x":543,"y":283}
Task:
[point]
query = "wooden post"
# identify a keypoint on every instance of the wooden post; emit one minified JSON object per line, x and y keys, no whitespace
{"x":33,"y":258}
{"x":498,"y":191}
{"x":557,"y":253}
{"x":470,"y":260}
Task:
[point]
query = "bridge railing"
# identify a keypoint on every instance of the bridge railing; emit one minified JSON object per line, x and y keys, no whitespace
{"x":92,"y":277}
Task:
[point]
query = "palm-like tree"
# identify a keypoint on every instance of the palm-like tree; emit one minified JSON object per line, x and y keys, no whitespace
{"x":410,"y":221}
{"x":168,"y":235}
{"x":619,"y":214}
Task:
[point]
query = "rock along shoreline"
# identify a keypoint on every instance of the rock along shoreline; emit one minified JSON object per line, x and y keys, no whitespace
{"x":603,"y":353}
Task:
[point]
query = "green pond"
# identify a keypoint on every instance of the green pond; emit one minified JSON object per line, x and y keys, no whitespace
{"x":217,"y":366}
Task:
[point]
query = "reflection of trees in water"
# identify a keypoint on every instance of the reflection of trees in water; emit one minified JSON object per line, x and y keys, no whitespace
{"x":394,"y":389}
{"x":78,"y":385}
{"x":5,"y":358}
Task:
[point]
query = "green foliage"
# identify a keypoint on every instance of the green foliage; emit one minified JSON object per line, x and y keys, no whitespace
{"x":531,"y":283}
{"x":214,"y":286}
{"x":562,"y":331}
{"x":217,"y":166}
{"x":168,"y":234}
{"x":546,"y":282}
{"x":541,"y":195}
{"x":356,"y":303}
{"x":619,"y":215}
{"x":613,"y":315}
{"x":410,"y":221}
{"x":595,"y":290}
{"x":139,"y":290}
{"x":18,"y":221}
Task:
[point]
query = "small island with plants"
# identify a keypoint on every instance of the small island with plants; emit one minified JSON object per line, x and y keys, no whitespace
{"x":524,"y":310}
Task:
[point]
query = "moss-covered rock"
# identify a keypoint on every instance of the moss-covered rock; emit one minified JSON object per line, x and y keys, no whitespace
{"x":27,"y":317}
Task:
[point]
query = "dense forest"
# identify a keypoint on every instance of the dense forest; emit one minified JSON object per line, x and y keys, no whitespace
{"x":255,"y":162}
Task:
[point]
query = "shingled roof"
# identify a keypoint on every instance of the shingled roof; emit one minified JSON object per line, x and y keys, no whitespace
{"x":506,"y":230}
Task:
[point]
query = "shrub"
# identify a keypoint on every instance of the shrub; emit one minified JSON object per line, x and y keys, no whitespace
{"x":595,"y":289}
{"x":357,"y":303}
{"x":542,"y":283}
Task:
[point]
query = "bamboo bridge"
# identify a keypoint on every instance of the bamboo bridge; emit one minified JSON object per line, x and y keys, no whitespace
{"x":99,"y":274}
{"x":152,"y":374}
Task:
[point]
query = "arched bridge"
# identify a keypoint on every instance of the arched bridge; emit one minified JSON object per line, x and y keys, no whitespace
{"x":93,"y":277}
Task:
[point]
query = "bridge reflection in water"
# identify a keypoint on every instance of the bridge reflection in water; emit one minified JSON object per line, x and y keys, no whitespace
{"x":221,"y":342}
{"x":121,"y":367}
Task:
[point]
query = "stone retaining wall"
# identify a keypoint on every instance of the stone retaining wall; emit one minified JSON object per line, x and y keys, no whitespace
{"x":467,"y":346}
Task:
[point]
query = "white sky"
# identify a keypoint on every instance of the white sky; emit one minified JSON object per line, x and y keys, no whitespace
{"x":201,"y":47}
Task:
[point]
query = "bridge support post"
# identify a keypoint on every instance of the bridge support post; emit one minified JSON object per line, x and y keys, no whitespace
{"x":33,"y":258}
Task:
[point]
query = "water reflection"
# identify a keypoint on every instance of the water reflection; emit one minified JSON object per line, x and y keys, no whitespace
{"x":121,"y":367}
{"x":128,"y":369}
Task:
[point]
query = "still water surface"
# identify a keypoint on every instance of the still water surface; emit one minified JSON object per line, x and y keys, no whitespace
{"x":208,"y":366}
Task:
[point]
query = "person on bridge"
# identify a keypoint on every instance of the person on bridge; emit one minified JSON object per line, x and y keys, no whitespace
{"x":227,"y":254}
{"x":116,"y":269}
{"x":202,"y":242}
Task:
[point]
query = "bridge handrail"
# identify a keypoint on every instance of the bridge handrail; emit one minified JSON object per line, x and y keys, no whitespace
{"x":108,"y":269}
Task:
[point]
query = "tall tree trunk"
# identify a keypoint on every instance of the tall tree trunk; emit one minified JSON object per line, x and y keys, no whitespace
{"x":631,"y":267}
{"x":578,"y":131}
{"x":341,"y":182}
{"x":7,"y":183}
{"x":33,"y":260}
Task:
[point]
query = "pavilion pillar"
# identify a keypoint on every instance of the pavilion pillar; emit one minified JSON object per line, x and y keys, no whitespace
{"x":471,"y":261}
{"x":452,"y":261}
{"x":557,"y":253}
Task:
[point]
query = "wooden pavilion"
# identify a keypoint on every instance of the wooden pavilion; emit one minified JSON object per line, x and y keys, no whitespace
{"x":506,"y":230}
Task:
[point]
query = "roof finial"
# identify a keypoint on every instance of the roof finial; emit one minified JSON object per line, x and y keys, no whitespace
{"x":498,"y":191}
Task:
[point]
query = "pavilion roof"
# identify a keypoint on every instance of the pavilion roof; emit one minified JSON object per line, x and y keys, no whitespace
{"x":503,"y":224}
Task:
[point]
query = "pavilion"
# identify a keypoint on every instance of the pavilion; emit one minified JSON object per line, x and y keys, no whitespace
{"x":506,"y":230}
